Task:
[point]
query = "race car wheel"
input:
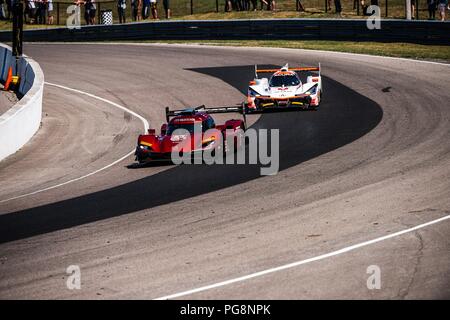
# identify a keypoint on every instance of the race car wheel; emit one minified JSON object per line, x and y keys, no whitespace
{"x":249,"y":110}
{"x":319,"y":98}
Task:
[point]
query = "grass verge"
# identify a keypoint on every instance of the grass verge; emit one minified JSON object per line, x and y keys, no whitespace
{"x":401,"y":50}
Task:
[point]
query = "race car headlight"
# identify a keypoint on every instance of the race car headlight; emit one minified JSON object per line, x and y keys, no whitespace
{"x":312,"y":90}
{"x":145,"y":147}
{"x":252,"y":92}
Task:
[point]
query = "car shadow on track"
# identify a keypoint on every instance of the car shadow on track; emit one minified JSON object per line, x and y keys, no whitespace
{"x":344,"y":116}
{"x":136,"y":165}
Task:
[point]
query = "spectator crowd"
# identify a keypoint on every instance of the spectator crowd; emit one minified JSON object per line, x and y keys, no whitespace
{"x":43,"y":11}
{"x":247,"y":5}
{"x":35,"y":11}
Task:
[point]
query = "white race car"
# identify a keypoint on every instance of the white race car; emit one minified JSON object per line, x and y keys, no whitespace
{"x":284,"y":89}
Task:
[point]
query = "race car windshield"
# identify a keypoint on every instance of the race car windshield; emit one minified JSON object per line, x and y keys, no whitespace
{"x":287,"y":81}
{"x":186,"y":126}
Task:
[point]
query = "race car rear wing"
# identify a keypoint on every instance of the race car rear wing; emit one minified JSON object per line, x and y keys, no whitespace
{"x":211,"y":110}
{"x":286,"y":69}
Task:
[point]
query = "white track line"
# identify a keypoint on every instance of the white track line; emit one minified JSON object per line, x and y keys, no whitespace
{"x":144,"y":121}
{"x":298,"y":263}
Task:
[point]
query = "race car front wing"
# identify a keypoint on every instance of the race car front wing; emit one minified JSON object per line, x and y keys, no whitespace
{"x":263,"y":103}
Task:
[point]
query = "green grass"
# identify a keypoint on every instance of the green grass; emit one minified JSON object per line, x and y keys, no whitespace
{"x":6,"y":25}
{"x":403,"y":50}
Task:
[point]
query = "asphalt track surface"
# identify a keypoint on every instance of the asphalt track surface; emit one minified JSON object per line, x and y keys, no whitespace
{"x":372,"y":161}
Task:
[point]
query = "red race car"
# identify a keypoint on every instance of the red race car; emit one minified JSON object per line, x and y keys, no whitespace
{"x":190,"y":131}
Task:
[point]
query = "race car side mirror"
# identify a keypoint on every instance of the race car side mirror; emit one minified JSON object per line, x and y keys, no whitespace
{"x":163,"y":129}
{"x":151,"y":131}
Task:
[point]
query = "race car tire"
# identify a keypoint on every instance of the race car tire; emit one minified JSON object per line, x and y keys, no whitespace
{"x":248,"y":110}
{"x":319,"y":99}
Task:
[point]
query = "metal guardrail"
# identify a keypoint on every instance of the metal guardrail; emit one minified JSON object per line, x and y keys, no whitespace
{"x":423,"y":32}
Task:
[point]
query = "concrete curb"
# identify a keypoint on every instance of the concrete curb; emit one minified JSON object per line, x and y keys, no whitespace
{"x":20,"y":123}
